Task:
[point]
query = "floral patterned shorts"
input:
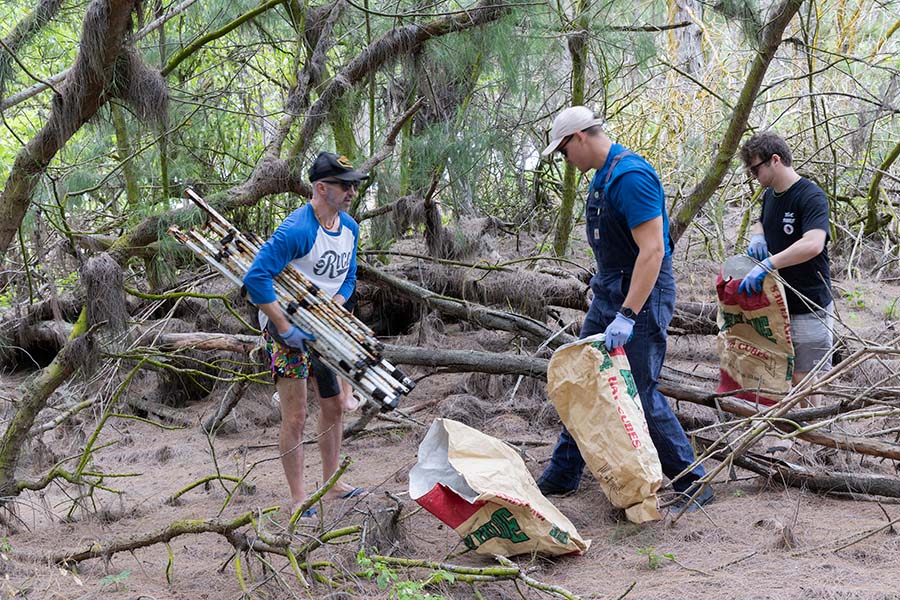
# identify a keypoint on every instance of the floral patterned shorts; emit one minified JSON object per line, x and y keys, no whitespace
{"x":285,"y":361}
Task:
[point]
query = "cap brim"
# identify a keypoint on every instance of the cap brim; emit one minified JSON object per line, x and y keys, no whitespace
{"x":552,"y":147}
{"x":351,"y":176}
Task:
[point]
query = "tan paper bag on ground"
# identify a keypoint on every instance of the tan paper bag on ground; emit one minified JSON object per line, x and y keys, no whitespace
{"x":480,"y":487}
{"x":594,"y":393}
{"x":754,"y":341}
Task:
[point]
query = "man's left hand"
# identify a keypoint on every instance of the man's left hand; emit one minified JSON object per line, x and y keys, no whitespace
{"x":619,"y":332}
{"x":753,"y":281}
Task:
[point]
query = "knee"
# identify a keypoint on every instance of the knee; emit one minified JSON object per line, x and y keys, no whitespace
{"x":330,"y":409}
{"x":293,"y":412}
{"x":293,"y":420}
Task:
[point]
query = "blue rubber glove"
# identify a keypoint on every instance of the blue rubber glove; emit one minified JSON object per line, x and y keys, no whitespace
{"x":757,"y":248}
{"x":619,"y":332}
{"x":295,"y":337}
{"x":753,"y":281}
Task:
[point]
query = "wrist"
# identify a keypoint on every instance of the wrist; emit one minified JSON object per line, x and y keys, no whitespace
{"x":627,"y":313}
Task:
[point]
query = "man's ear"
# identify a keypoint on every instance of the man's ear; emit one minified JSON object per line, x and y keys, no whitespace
{"x":778,"y":156}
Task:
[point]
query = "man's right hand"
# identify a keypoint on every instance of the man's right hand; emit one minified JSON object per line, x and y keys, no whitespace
{"x":757,"y":248}
{"x":294,"y":337}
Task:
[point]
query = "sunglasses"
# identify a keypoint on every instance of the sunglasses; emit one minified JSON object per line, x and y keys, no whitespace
{"x":345,"y":185}
{"x":562,"y":147}
{"x":754,"y":169}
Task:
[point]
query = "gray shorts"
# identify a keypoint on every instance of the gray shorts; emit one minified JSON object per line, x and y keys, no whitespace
{"x":813,"y":337}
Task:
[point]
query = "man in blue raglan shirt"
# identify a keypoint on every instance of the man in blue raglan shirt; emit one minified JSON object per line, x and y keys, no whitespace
{"x":318,"y":239}
{"x":634,"y":290}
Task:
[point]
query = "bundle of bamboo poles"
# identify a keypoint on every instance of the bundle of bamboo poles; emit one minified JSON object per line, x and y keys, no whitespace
{"x":343,"y":342}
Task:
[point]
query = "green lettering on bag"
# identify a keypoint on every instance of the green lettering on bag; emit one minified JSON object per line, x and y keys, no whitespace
{"x":629,"y":382}
{"x":731,"y":319}
{"x":607,"y":359}
{"x":502,"y":524}
{"x":559,"y":535}
{"x":759,"y":324}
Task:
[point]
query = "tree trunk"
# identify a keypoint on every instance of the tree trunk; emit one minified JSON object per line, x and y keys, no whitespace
{"x":79,"y":98}
{"x":780,"y":17}
{"x":688,"y":41}
{"x":35,"y":392}
{"x":874,"y":221}
{"x":124,"y":150}
{"x":577,"y":43}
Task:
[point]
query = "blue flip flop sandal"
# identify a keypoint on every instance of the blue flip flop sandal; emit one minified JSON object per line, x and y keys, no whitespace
{"x":357,"y":491}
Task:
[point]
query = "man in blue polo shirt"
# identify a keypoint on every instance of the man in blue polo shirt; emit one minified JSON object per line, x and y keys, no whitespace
{"x":634,"y":290}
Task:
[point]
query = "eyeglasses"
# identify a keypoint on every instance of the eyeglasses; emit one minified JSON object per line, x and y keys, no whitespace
{"x":345,"y":185}
{"x":562,"y":147}
{"x":754,"y":169}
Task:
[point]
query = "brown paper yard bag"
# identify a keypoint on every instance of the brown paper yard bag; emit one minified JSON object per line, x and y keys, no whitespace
{"x":754,"y":340}
{"x":481,"y":488}
{"x":595,"y":395}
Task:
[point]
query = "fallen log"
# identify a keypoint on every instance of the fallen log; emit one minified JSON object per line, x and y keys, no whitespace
{"x":694,"y":318}
{"x":801,"y":476}
{"x":50,"y":336}
{"x":858,"y":444}
{"x":467,"y":361}
{"x":496,"y":363}
{"x":500,"y":286}
{"x":468,"y":311}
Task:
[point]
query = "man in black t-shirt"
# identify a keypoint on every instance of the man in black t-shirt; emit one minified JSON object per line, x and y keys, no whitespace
{"x":793,"y":227}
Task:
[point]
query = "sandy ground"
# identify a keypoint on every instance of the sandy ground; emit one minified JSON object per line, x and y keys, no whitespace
{"x":758,"y":540}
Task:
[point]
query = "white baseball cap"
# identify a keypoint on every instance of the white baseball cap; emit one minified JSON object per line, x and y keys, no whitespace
{"x":569,"y":121}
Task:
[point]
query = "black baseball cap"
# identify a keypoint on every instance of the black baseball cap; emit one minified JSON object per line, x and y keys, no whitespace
{"x":328,"y":164}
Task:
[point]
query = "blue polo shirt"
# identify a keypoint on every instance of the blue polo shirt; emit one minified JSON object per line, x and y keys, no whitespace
{"x":634,"y":191}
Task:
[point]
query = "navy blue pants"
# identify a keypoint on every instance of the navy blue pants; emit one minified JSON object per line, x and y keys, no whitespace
{"x":646,"y":352}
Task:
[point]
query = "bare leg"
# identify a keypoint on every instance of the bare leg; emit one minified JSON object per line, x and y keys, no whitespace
{"x":349,"y":402}
{"x":331,"y":431}
{"x":292,"y":394}
{"x":809,"y":401}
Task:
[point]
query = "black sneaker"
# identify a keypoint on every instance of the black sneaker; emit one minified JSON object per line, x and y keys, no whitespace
{"x":549,"y":488}
{"x":705,"y":497}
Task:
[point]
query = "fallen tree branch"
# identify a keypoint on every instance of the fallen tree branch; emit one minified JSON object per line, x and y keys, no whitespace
{"x":166,"y":534}
{"x":468,"y":361}
{"x":804,"y":477}
{"x":858,"y":444}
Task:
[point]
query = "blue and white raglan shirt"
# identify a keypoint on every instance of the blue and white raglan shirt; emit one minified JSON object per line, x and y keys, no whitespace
{"x":326,"y":258}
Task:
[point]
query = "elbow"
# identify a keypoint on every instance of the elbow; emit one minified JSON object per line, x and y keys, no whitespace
{"x":655,"y":254}
{"x":813,"y":250}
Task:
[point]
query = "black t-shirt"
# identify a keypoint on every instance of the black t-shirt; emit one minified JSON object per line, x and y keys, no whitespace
{"x":785,"y":218}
